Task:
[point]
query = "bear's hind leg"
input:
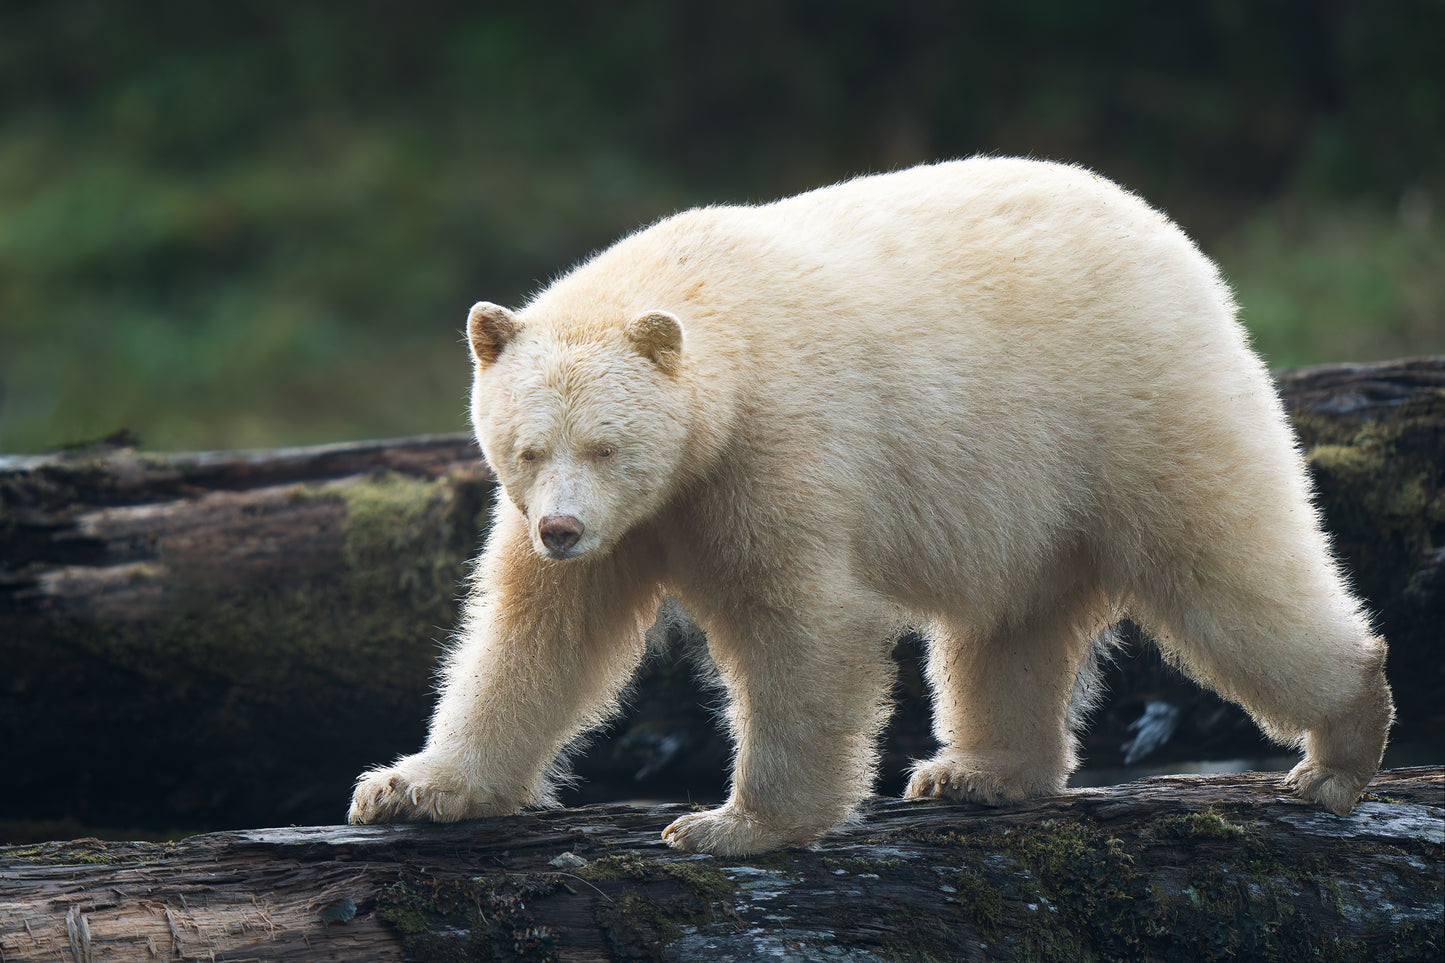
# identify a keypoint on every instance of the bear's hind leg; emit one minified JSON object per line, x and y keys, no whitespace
{"x":1000,"y":706}
{"x":1286,"y":640}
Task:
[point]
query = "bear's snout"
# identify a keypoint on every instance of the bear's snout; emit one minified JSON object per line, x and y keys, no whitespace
{"x":560,"y":532}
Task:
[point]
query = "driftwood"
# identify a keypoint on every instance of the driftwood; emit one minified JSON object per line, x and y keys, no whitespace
{"x":1170,"y":868}
{"x":206,"y":641}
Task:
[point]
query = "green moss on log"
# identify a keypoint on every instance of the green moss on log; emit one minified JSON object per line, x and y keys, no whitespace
{"x":461,"y":920}
{"x":1075,"y":891}
{"x":255,"y":662}
{"x":613,"y":868}
{"x":1380,"y":482}
{"x":702,"y":877}
{"x":409,"y":538}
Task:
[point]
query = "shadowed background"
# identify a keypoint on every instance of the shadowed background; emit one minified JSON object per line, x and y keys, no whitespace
{"x":260,"y":223}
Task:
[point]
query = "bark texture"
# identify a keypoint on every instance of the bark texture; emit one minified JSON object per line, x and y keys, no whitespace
{"x":1166,"y":869}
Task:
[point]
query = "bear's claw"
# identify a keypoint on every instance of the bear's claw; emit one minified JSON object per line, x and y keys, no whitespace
{"x":384,"y":796}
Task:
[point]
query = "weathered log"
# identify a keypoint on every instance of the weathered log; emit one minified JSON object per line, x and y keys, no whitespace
{"x":221,"y":640}
{"x":1169,"y":868}
{"x":213,"y":639}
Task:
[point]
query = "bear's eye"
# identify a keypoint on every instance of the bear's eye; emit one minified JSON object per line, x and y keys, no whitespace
{"x":527,"y":455}
{"x":603,"y":452}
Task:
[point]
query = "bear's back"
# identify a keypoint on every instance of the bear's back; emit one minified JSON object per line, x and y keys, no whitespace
{"x":983,"y":340}
{"x":984,"y":251}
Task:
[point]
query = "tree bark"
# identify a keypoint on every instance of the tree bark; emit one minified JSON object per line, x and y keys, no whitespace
{"x":1169,"y":868}
{"x":219,"y":640}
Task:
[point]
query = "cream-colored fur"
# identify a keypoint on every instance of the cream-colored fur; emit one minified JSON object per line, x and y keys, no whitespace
{"x":1000,"y":398}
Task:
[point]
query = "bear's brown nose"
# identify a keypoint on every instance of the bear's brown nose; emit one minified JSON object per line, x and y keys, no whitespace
{"x":560,"y":532}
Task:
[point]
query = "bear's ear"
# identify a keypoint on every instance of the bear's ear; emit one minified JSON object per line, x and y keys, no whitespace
{"x":489,"y":328}
{"x":657,"y":336}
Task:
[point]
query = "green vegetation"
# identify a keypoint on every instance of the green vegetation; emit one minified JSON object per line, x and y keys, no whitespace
{"x":1339,"y":282}
{"x":261,"y":223}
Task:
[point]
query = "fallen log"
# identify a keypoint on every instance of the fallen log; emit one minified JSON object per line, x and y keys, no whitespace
{"x":1168,"y":868}
{"x":203,"y":641}
{"x":212,"y":639}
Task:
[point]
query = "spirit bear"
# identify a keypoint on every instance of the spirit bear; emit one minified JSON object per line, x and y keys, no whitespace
{"x":1002,"y":401}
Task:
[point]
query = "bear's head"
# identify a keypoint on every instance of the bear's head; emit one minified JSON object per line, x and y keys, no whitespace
{"x":584,"y":425}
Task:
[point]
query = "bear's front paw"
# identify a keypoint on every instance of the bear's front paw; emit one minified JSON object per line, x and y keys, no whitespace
{"x":421,"y":789}
{"x":949,"y":777}
{"x":1333,"y":790}
{"x":728,"y":832}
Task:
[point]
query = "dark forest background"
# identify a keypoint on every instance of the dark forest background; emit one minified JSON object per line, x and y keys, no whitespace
{"x":260,"y":223}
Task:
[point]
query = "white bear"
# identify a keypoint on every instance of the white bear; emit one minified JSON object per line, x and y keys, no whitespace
{"x":1001,"y":400}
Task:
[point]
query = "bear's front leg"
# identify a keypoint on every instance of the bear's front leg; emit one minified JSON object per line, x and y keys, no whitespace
{"x":544,"y":650}
{"x":807,"y":702}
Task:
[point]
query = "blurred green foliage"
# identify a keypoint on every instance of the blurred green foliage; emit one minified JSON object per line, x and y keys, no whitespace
{"x":261,"y":222}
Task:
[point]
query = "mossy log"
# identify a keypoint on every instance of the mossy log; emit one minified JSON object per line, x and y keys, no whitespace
{"x":213,"y":640}
{"x":1221,"y":867}
{"x":206,"y":641}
